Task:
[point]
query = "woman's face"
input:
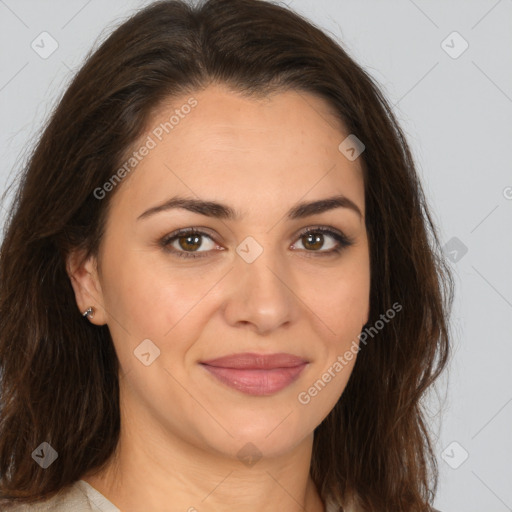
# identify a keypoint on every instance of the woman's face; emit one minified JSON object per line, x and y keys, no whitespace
{"x":251,"y":282}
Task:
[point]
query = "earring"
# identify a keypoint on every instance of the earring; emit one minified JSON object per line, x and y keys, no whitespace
{"x":89,"y":312}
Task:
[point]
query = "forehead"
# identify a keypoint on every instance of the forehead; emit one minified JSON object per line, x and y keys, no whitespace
{"x":236,"y":149}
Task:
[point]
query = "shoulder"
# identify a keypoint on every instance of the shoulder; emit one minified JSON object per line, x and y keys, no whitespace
{"x":70,"y":499}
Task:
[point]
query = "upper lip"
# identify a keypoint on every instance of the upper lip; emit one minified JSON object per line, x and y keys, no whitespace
{"x":257,"y":361}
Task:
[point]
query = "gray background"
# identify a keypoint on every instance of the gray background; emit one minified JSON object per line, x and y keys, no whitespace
{"x":456,"y":111}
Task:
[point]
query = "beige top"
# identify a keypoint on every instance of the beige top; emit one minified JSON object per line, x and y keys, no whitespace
{"x":82,"y":497}
{"x":79,"y":497}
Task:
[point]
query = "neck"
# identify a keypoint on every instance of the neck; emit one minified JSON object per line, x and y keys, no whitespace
{"x":150,"y":472}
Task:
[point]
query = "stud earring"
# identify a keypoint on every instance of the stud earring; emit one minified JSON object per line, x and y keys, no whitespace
{"x":89,"y":312}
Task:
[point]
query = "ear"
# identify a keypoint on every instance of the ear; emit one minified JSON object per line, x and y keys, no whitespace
{"x":86,"y":285}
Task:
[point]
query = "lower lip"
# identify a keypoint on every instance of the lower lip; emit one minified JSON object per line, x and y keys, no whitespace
{"x":256,"y":382}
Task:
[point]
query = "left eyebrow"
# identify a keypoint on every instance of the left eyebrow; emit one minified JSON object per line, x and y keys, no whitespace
{"x":314,"y":208}
{"x":222,"y":211}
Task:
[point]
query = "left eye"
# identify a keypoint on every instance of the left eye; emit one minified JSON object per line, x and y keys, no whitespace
{"x":187,"y":243}
{"x":315,"y":239}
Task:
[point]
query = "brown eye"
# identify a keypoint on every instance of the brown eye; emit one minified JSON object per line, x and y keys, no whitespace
{"x":324,"y":241}
{"x":190,"y":242}
{"x":187,"y":242}
{"x":313,"y":241}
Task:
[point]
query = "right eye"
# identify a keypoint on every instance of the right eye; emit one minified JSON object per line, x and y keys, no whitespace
{"x":186,"y":242}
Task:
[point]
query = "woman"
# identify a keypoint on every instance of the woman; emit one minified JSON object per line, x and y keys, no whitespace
{"x":221,"y":288}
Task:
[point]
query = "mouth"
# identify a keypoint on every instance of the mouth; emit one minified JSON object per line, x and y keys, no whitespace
{"x":256,"y":374}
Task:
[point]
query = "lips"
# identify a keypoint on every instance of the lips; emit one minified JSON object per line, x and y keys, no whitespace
{"x":256,"y":374}
{"x":257,"y":361}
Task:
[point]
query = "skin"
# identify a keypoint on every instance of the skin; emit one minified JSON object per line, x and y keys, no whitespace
{"x":181,"y":428}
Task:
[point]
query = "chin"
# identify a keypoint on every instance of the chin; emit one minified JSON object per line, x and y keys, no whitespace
{"x":265,"y":439}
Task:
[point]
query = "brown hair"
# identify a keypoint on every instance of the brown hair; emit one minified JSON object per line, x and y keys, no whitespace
{"x":59,"y":373}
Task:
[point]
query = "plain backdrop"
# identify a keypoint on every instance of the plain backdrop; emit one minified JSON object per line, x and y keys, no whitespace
{"x":446,"y":67}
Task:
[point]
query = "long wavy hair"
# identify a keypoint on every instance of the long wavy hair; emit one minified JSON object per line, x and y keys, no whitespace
{"x":59,"y":373}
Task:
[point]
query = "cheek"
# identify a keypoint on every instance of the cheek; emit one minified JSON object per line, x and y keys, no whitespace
{"x":148,"y":296}
{"x":340,"y":299}
{"x":146,"y":304}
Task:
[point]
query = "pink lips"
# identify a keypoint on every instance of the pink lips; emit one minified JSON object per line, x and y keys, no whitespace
{"x":256,"y":374}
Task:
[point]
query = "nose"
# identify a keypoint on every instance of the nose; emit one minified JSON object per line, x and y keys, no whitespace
{"x":262,"y":295}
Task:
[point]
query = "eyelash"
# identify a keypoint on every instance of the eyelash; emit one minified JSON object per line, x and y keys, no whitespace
{"x":343,"y":241}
